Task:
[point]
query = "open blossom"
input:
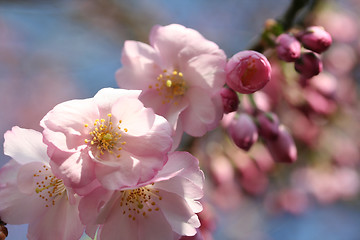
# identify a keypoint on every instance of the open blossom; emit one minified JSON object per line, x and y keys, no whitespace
{"x":163,"y":208}
{"x":109,"y":139}
{"x":31,"y":194}
{"x":181,"y":74}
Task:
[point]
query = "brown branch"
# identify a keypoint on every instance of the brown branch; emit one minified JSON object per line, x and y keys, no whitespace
{"x":297,"y":11}
{"x":3,"y":230}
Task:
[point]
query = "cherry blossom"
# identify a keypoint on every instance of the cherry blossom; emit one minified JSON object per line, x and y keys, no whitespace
{"x":163,"y":208}
{"x":110,"y":139}
{"x":31,"y":194}
{"x":181,"y":74}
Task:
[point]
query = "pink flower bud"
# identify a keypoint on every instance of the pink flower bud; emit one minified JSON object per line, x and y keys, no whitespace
{"x":316,"y":39}
{"x":283,"y":148}
{"x":308,"y":65}
{"x":288,"y":48}
{"x":243,"y":131}
{"x":247,"y":71}
{"x":230,"y":100}
{"x":268,"y":125}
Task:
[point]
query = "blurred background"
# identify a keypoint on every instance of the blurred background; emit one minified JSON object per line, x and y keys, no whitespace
{"x":53,"y":51}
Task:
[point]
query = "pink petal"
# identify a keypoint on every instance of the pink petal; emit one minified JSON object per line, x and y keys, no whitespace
{"x":25,"y":178}
{"x":25,"y":145}
{"x":69,"y":119}
{"x":91,"y":204}
{"x":177,"y":44}
{"x":118,"y":225}
{"x":60,"y":221}
{"x":206,"y":71}
{"x":144,"y":128}
{"x":106,"y":97}
{"x":154,"y":227}
{"x":177,"y":212}
{"x":140,"y":66}
{"x":76,"y":169}
{"x":181,"y":164}
{"x":182,"y":187}
{"x":170,"y":111}
{"x":125,"y":173}
{"x":203,"y":114}
{"x":17,"y":207}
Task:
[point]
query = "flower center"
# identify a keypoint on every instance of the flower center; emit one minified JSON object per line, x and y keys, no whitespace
{"x":139,"y":201}
{"x":249,"y":72}
{"x":170,"y":86}
{"x":49,"y":187}
{"x":105,"y":137}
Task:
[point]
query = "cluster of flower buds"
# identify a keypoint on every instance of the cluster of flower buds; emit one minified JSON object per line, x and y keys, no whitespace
{"x":245,"y":131}
{"x":308,"y":63}
{"x":246,"y":73}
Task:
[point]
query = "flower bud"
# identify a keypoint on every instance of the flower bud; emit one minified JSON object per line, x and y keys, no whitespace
{"x":268,"y":125}
{"x":316,"y":39}
{"x":243,"y":131}
{"x":308,"y":65}
{"x":247,"y":72}
{"x":230,"y":100}
{"x":288,"y":48}
{"x":283,"y":148}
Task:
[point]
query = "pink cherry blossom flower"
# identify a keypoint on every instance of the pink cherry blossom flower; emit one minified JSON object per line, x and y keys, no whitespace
{"x":31,"y":194}
{"x":109,"y":139}
{"x":181,"y":74}
{"x":163,"y":208}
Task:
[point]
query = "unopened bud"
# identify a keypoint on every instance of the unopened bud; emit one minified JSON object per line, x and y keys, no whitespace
{"x":268,"y":125}
{"x":316,"y":39}
{"x":283,"y":148}
{"x":243,"y":131}
{"x":308,"y":65}
{"x":288,"y":48}
{"x":230,"y":100}
{"x":247,"y":72}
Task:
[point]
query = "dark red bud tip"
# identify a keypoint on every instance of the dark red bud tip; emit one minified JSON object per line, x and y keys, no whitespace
{"x":230,"y":100}
{"x":308,"y":65}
